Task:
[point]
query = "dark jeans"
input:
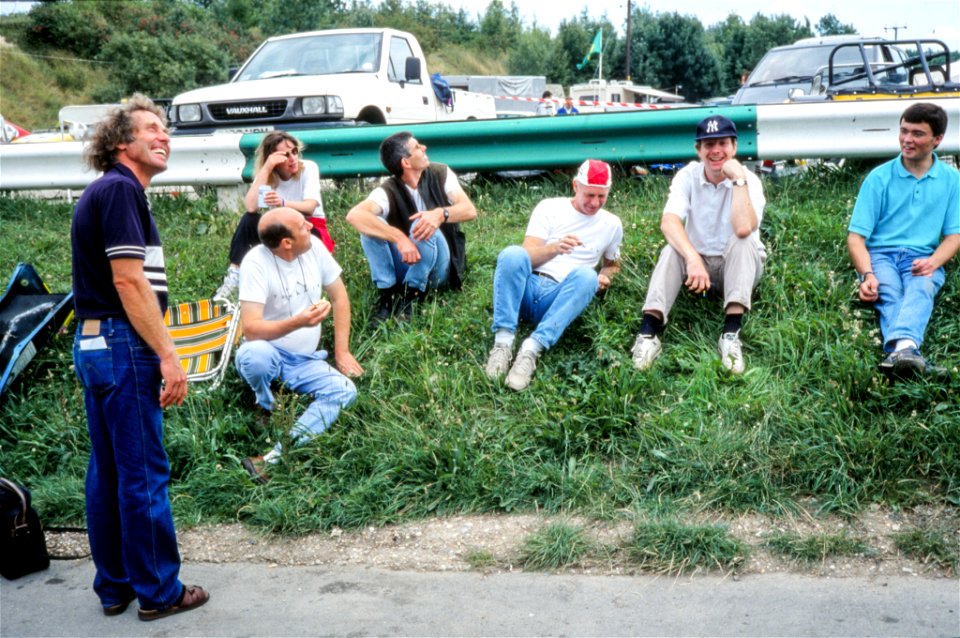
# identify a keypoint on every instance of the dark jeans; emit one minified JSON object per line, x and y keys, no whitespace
{"x":129,"y":522}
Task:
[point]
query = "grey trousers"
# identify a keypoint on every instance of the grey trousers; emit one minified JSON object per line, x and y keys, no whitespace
{"x":736,"y":273}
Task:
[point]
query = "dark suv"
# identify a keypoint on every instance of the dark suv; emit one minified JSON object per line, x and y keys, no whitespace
{"x":800,"y":69}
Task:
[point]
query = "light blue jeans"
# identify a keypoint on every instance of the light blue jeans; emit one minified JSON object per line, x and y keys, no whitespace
{"x":260,"y":362}
{"x":518,"y":294}
{"x":906,"y":301}
{"x":387,"y":268}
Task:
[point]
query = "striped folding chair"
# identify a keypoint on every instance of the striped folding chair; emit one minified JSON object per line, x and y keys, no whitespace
{"x":204,"y":333}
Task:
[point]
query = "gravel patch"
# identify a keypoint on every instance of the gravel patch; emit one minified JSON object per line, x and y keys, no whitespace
{"x":492,"y":543}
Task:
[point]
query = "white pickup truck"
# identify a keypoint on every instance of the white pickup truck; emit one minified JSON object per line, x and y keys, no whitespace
{"x":325,"y":78}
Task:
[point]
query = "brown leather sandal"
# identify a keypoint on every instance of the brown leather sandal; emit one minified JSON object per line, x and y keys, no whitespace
{"x":193,"y":596}
{"x":119,"y":608}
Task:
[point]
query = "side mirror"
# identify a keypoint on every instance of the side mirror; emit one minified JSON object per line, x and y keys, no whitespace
{"x":412,"y":70}
{"x":232,"y":71}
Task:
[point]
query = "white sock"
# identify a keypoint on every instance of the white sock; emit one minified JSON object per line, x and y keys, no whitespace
{"x":531,"y":345}
{"x":503,"y":338}
{"x":903,"y":344}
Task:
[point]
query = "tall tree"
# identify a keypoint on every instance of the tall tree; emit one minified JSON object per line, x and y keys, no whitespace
{"x":766,"y":32}
{"x":674,"y":55}
{"x":727,"y":41}
{"x":533,"y":54}
{"x":831,"y":25}
{"x":500,"y":28}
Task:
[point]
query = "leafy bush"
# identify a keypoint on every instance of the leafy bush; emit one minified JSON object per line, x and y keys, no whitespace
{"x":161,"y":65}
{"x":78,"y":27}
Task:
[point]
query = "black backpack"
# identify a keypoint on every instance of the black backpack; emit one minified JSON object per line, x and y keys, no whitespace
{"x":23,"y":549}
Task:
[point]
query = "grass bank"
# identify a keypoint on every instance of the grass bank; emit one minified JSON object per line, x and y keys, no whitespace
{"x":810,"y":421}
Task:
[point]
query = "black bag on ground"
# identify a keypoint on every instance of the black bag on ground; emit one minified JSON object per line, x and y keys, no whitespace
{"x":23,"y":549}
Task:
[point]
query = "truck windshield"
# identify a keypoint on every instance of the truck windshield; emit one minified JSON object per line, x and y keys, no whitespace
{"x":799,"y":64}
{"x":314,"y":55}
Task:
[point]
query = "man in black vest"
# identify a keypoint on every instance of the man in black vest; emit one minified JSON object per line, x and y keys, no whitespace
{"x":398,"y":224}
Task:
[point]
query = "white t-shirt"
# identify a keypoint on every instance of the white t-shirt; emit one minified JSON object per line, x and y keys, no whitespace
{"x":287,"y":287}
{"x":705,"y":208}
{"x":306,"y":185}
{"x":451,"y":185}
{"x":601,"y":235}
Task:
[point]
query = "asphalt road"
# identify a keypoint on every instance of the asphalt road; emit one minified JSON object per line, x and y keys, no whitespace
{"x":260,"y":600}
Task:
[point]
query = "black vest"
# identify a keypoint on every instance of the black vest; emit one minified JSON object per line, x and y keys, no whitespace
{"x":431,"y":190}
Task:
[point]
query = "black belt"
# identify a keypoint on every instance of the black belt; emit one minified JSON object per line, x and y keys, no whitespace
{"x":546,"y":276}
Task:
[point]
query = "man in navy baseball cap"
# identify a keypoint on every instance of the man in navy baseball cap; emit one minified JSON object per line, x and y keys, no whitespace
{"x":716,"y":126}
{"x":711,"y":223}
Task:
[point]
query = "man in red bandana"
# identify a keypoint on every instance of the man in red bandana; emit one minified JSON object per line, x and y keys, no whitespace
{"x":551,"y":278}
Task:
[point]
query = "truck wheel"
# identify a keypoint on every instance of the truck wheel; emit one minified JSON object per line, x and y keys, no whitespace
{"x":371,"y":115}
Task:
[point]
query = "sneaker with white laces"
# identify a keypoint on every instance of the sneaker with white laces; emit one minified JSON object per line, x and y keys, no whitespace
{"x":522,"y":371}
{"x":645,"y":351}
{"x":228,"y":290}
{"x":731,"y":352}
{"x":498,"y":363}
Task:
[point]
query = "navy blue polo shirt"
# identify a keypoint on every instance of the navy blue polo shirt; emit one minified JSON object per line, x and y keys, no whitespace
{"x":112,"y":220}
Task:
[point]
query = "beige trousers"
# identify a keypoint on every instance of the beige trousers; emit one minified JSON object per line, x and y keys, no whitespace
{"x":735,"y":273}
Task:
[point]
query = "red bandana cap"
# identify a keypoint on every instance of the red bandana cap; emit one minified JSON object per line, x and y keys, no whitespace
{"x":595,"y":173}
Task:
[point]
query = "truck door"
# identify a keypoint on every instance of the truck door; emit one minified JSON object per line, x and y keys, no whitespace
{"x":408,"y":99}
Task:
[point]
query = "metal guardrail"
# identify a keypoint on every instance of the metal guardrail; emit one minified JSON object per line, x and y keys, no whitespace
{"x":525,"y":143}
{"x":780,"y":131}
{"x":867,"y":128}
{"x":209,"y":159}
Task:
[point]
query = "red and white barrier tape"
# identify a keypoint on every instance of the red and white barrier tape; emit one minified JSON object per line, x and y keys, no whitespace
{"x":634,"y":105}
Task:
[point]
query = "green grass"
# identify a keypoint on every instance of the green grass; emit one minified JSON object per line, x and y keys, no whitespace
{"x":556,"y":545}
{"x":810,"y":421}
{"x":668,"y":547}
{"x":481,"y":559}
{"x":816,"y":548}
{"x":931,"y":545}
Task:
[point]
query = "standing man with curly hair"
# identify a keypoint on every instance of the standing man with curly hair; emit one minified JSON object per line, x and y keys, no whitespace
{"x":128,"y":367}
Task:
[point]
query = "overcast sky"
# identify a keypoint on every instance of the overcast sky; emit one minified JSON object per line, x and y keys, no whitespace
{"x":922,"y":18}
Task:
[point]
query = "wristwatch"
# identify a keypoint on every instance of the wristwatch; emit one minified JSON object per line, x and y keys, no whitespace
{"x":446,"y":215}
{"x":740,"y":181}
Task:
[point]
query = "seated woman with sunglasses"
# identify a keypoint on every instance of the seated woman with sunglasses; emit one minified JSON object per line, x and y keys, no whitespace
{"x":286,"y":180}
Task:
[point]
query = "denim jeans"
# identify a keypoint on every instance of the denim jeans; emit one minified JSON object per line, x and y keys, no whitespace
{"x":129,"y":522}
{"x":260,"y":362}
{"x":550,"y":306}
{"x":387,"y":268}
{"x":906,"y":301}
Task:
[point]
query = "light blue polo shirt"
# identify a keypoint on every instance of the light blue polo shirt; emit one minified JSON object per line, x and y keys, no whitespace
{"x":896,"y":210}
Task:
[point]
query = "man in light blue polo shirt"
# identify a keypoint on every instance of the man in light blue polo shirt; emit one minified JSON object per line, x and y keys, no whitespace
{"x":905,"y":227}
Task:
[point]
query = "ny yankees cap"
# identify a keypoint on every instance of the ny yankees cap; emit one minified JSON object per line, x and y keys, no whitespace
{"x":595,"y":173}
{"x":715,"y":126}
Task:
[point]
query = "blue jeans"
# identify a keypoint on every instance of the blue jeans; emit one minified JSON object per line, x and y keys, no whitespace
{"x":550,"y":306}
{"x":387,"y":268}
{"x":906,"y":301}
{"x":129,"y":522}
{"x":260,"y":362}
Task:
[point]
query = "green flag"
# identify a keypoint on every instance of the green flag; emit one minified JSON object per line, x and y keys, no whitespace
{"x":595,"y":48}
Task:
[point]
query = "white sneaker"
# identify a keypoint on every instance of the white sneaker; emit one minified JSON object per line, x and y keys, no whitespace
{"x":229,"y":288}
{"x":522,"y":371}
{"x":731,"y":354}
{"x":645,"y":351}
{"x":498,"y":363}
